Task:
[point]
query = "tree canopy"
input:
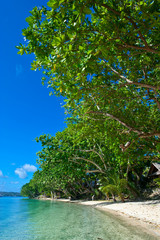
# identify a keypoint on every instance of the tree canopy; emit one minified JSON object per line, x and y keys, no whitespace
{"x":102,"y":56}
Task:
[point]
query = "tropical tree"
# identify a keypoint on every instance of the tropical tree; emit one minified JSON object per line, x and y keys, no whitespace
{"x":74,"y":161}
{"x":30,"y":189}
{"x":115,"y":185}
{"x":157,"y":181}
{"x":58,"y":168}
{"x":103,"y":56}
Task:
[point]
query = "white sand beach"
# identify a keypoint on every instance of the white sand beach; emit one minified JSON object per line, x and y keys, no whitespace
{"x":148,"y":211}
{"x":143,"y":214}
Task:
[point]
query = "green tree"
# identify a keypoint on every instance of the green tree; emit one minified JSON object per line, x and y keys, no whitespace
{"x":115,"y":185}
{"x":103,"y":56}
{"x":30,"y":189}
{"x":59,"y":171}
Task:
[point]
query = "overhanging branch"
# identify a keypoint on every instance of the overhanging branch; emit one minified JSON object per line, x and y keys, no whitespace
{"x":129,"y":19}
{"x":129,"y":82}
{"x":92,"y":150}
{"x":118,"y":120}
{"x":90,"y":161}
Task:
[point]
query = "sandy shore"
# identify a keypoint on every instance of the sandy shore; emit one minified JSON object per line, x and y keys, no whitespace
{"x":145,"y":214}
{"x":142,"y":214}
{"x":148,"y":211}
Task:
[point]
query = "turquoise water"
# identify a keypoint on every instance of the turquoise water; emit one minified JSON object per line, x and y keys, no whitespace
{"x":24,"y":219}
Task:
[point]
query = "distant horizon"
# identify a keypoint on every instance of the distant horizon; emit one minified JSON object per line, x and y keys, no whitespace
{"x":9,"y":192}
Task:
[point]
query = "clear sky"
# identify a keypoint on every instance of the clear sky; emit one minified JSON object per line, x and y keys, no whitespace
{"x":26,"y":109}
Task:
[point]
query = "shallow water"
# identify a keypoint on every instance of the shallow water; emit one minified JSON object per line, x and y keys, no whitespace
{"x":24,"y":219}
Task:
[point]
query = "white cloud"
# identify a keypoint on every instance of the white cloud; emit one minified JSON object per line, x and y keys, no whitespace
{"x":13,"y":164}
{"x":21,"y":172}
{"x":29,"y":168}
{"x":1,"y":174}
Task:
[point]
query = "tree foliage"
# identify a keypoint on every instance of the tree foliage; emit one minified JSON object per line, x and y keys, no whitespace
{"x":103,"y":57}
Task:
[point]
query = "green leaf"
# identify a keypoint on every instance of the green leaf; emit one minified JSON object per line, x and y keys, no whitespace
{"x":70,"y":47}
{"x":21,"y":51}
{"x":30,"y":20}
{"x":51,"y":3}
{"x":80,"y":48}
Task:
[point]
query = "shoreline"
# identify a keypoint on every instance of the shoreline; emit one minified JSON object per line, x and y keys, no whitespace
{"x":147,"y":211}
{"x":141,"y":214}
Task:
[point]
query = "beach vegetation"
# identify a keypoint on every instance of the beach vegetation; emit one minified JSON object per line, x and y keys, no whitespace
{"x":102,"y":57}
{"x":157,"y":181}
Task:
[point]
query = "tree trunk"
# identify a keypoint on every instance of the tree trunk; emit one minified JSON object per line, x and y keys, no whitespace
{"x":51,"y":195}
{"x":121,"y":197}
{"x":114,"y":199}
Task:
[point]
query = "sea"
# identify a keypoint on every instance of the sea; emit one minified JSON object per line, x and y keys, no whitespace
{"x":26,"y":219}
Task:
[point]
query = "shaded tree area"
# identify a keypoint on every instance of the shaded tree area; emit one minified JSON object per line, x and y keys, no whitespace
{"x":103,"y":58}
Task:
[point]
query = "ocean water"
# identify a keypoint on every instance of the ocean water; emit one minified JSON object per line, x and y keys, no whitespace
{"x":24,"y":219}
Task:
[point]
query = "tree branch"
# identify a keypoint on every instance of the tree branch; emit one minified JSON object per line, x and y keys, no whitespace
{"x":87,"y":160}
{"x":141,"y":134}
{"x":138,"y":48}
{"x":147,"y":48}
{"x":141,"y":85}
{"x":93,"y":171}
{"x":92,"y":150}
{"x":121,"y":76}
{"x":149,"y":135}
{"x":118,"y":120}
{"x":74,"y":161}
{"x":129,"y":82}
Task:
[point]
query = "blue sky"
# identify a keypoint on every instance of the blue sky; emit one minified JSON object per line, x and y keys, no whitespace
{"x":26,"y":109}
